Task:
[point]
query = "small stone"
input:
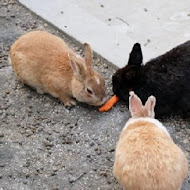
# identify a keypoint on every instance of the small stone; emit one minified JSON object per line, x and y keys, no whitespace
{"x":32,"y":127}
{"x":55,"y":188}
{"x":34,"y":26}
{"x":27,"y":164}
{"x":109,"y":181}
{"x":98,"y":151}
{"x":12,"y":2}
{"x":40,"y":171}
{"x":49,"y":139}
{"x":54,"y":168}
{"x":48,"y":144}
{"x":91,"y":143}
{"x":112,"y":149}
{"x":53,"y":122}
{"x":145,"y":9}
{"x":7,"y":48}
{"x":186,"y":141}
{"x":177,"y":128}
{"x":29,"y":96}
{"x":182,"y":126}
{"x":2,"y":135}
{"x":122,"y":109}
{"x":2,"y":165}
{"x":187,"y":149}
{"x":102,"y":6}
{"x":3,"y":95}
{"x":22,"y":131}
{"x":77,"y":48}
{"x":103,"y":173}
{"x":25,"y":170}
{"x":29,"y":132}
{"x":40,"y":129}
{"x":67,"y":140}
{"x":53,"y":173}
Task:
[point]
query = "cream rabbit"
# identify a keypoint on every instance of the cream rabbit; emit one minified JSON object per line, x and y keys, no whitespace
{"x":44,"y":62}
{"x":146,"y":157}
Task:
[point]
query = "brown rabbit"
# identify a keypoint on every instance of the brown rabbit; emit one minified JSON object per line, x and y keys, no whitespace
{"x":44,"y":62}
{"x":146,"y":157}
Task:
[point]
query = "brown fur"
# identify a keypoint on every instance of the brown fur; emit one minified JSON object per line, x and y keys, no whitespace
{"x":44,"y":62}
{"x":146,"y":157}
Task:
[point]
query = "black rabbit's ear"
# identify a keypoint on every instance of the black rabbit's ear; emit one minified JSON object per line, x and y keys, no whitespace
{"x":135,"y":57}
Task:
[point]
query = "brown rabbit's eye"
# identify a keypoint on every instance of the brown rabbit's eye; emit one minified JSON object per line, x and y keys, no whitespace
{"x":89,"y":91}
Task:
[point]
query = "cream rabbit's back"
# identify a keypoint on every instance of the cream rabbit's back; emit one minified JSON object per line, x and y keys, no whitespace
{"x":147,"y":159}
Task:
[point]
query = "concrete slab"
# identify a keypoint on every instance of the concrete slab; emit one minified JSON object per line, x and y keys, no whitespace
{"x":112,"y":27}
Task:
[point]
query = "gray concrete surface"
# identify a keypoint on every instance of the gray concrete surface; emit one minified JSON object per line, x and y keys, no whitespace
{"x":43,"y":145}
{"x":112,"y":26}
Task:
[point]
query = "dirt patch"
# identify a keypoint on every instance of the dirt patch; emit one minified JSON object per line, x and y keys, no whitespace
{"x":44,"y":145}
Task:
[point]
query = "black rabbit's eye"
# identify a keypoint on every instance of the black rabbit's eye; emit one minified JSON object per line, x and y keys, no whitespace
{"x":89,"y":91}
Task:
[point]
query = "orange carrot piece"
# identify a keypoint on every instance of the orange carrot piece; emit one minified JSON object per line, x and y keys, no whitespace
{"x":109,"y":104}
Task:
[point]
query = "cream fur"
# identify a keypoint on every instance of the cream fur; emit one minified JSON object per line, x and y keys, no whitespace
{"x":148,"y":119}
{"x":146,"y":158}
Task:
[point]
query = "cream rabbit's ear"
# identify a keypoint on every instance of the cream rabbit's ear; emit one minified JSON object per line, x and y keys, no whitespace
{"x":88,"y":55}
{"x":135,"y":104}
{"x":150,"y":105}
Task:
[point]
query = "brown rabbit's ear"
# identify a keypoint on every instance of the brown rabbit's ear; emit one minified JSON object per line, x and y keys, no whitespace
{"x":88,"y":55}
{"x":77,"y":67}
{"x":149,"y":106}
{"x":135,"y":104}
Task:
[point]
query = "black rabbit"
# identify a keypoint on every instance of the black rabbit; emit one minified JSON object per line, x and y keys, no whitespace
{"x":166,"y":77}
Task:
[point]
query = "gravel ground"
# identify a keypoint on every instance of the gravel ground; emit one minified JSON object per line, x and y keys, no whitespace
{"x":44,"y":145}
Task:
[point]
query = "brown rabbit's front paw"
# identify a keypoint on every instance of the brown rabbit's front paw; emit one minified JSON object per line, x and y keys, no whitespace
{"x":39,"y":91}
{"x":70,"y":103}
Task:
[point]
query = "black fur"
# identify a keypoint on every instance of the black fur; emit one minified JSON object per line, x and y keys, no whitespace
{"x":167,"y":77}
